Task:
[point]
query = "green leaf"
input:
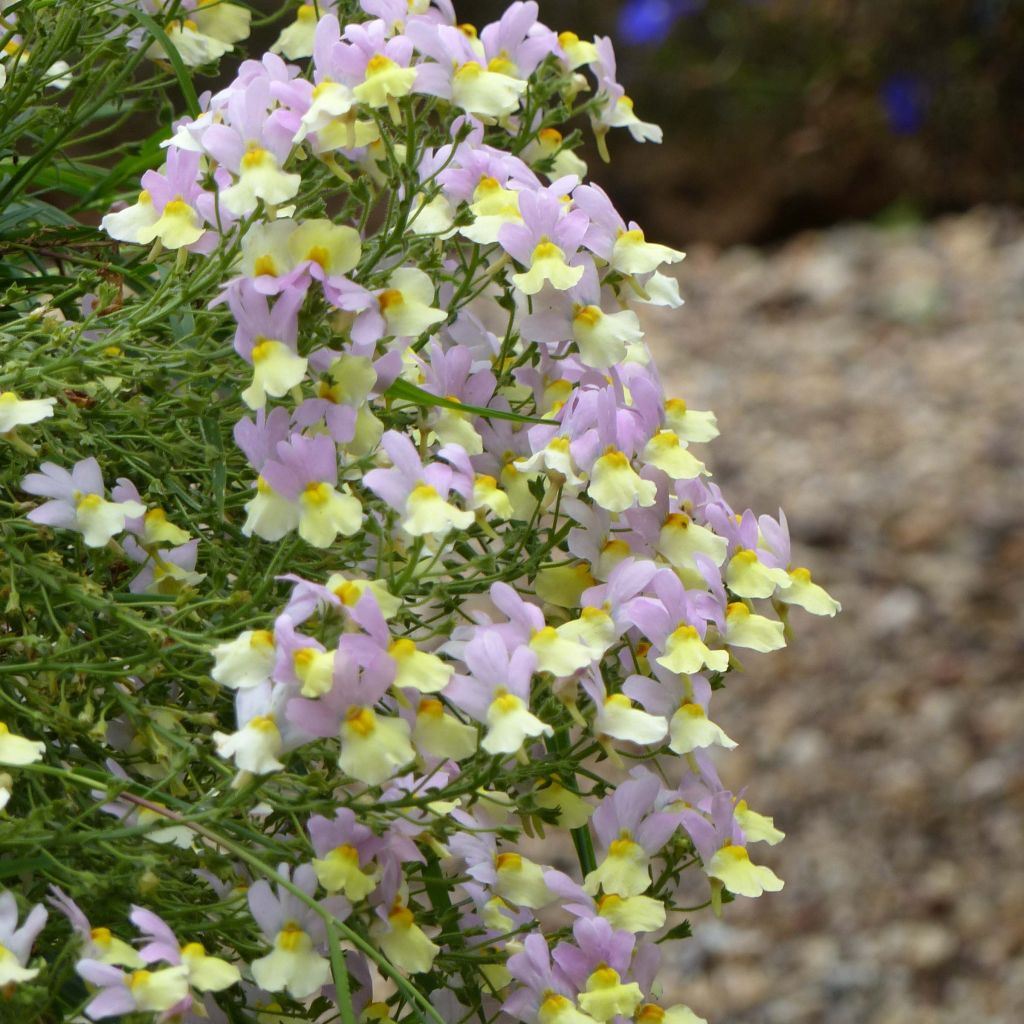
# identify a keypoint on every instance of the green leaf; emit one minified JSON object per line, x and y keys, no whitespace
{"x":127,"y":168}
{"x":31,"y":211}
{"x":680,"y":931}
{"x":180,"y":71}
{"x":406,"y":392}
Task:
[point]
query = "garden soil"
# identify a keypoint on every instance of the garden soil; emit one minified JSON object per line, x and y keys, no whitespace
{"x":870,"y":381}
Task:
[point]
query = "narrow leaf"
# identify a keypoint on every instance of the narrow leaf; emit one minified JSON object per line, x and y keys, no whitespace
{"x":180,"y":71}
{"x":403,"y":390}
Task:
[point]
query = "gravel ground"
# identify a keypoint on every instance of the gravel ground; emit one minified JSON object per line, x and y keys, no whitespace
{"x":870,"y":380}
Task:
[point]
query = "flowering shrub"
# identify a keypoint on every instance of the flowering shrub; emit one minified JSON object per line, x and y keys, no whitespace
{"x":352,"y":546}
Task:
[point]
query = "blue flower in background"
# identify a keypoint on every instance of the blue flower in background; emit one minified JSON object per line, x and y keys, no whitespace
{"x":905,"y":100}
{"x":646,"y":22}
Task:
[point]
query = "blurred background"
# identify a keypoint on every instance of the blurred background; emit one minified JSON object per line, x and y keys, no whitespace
{"x":846,"y":176}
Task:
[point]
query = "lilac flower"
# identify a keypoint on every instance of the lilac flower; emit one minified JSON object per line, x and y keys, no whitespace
{"x":374,"y":745}
{"x":96,"y":943}
{"x":596,"y":963}
{"x":259,"y":438}
{"x":620,"y":595}
{"x":265,"y":732}
{"x":557,"y":648}
{"x":303,"y":662}
{"x":340,"y":593}
{"x":452,"y":374}
{"x":265,"y":336}
{"x":164,"y":571}
{"x":684,"y":704}
{"x":508,"y":874}
{"x":675,"y":622}
{"x":410,"y":667}
{"x":630,"y":835}
{"x":78,"y":503}
{"x":205,"y":973}
{"x":377,"y":67}
{"x":397,"y":13}
{"x":461,"y":172}
{"x":623,"y":246}
{"x":397,"y":845}
{"x":416,"y":491}
{"x":252,"y":143}
{"x":544,"y":987}
{"x":492,"y":916}
{"x":345,"y":852}
{"x":498,"y":692}
{"x":366,"y":323}
{"x":517,"y":41}
{"x":297,"y":489}
{"x":616,"y":718}
{"x":457,"y":72}
{"x":298,"y":934}
{"x":16,"y":942}
{"x":342,"y":400}
{"x":616,"y":108}
{"x":546,"y":243}
{"x":172,"y":207}
{"x":165,"y":991}
{"x":774,"y":552}
{"x":630,"y":913}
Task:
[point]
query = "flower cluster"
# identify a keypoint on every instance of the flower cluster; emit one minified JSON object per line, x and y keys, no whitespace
{"x":528,"y":587}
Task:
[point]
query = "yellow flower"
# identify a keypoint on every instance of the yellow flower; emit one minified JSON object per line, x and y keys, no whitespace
{"x":632,"y":913}
{"x":747,"y":576}
{"x":156,"y":991}
{"x":403,"y":942}
{"x":806,"y":594}
{"x":625,"y":870}
{"x":509,"y":723}
{"x":757,"y":827}
{"x":547,"y":264}
{"x":686,"y":653}
{"x":373,"y":747}
{"x":276,"y":370}
{"x":733,"y":866}
{"x":606,"y":995}
{"x":176,"y":227}
{"x":442,"y":735}
{"x":486,"y":93}
{"x":633,"y":254}
{"x":691,"y":729}
{"x":293,"y":965}
{"x":16,"y":750}
{"x":745,"y":629}
{"x":417,"y":669}
{"x":616,"y":486}
{"x":339,"y":871}
{"x":520,"y":881}
{"x":17,"y":412}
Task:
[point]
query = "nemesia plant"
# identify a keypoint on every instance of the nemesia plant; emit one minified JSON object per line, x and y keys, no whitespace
{"x":410,"y":562}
